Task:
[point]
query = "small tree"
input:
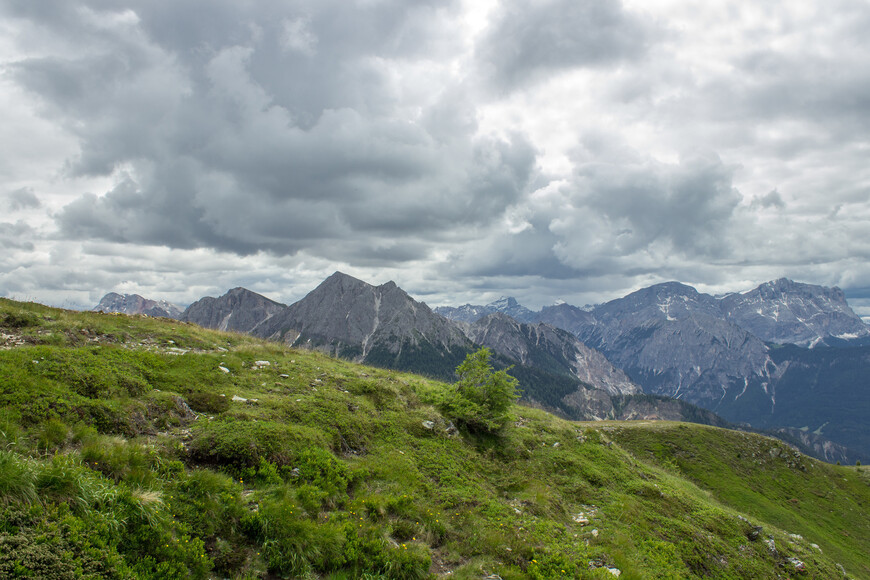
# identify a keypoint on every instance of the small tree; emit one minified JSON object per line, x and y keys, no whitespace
{"x":481,"y":398}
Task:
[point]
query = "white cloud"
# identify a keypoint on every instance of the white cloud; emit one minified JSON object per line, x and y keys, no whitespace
{"x":573,"y":149}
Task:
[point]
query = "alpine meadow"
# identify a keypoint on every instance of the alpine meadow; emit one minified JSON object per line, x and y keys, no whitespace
{"x":137,"y":447}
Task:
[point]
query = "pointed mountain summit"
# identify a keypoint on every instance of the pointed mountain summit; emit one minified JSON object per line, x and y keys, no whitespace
{"x":784,"y":311}
{"x":135,"y":304}
{"x":239,"y":310}
{"x":381,"y":325}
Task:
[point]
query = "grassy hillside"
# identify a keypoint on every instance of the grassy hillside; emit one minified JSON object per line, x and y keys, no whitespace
{"x":141,"y":448}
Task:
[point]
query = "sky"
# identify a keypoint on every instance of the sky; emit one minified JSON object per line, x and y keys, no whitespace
{"x":570,"y":150}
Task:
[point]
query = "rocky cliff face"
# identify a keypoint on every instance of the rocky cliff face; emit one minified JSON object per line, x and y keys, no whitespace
{"x":376,"y":324}
{"x":135,"y":304}
{"x":674,"y":341}
{"x":784,"y":311}
{"x":547,"y":347}
{"x":239,"y":310}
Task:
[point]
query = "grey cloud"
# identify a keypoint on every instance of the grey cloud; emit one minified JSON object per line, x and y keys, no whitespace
{"x":23,"y":198}
{"x":16,"y":236}
{"x":530,"y":39}
{"x":689,"y":204}
{"x":768,"y":200}
{"x":233,"y":143}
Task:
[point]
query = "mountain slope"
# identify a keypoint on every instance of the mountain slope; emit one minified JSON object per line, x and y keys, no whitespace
{"x":547,"y":347}
{"x":380,"y":325}
{"x":673,"y":341}
{"x":784,"y":311}
{"x":121,"y":458}
{"x":239,"y":310}
{"x":135,"y":304}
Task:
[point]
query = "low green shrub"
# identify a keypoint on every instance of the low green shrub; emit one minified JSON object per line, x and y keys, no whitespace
{"x":19,"y":319}
{"x":238,"y":444}
{"x":204,"y":402}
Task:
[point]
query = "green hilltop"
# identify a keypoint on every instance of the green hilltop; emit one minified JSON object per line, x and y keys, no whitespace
{"x":133,"y":447}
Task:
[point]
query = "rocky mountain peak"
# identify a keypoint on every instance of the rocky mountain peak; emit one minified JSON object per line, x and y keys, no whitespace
{"x":239,"y":310}
{"x":135,"y":304}
{"x":785,"y":311}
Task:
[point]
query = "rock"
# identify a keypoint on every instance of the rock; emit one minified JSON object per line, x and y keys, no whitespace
{"x":239,"y":399}
{"x":261,"y":363}
{"x":183,"y":410}
{"x":797,"y":564}
{"x":595,"y":533}
{"x":224,"y":369}
{"x":429,"y":425}
{"x":614,"y":571}
{"x":754,"y":533}
{"x":284,"y":376}
{"x":771,"y":545}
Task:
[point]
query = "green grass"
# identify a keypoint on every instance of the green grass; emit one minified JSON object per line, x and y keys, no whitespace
{"x":122,"y":446}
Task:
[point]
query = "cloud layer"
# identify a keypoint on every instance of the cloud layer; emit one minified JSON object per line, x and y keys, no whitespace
{"x":552,"y":149}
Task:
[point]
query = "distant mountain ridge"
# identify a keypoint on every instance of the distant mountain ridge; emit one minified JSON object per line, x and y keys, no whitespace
{"x":384,"y":326}
{"x":470,"y":313}
{"x":724,"y":354}
{"x":787,"y":312}
{"x":380,"y":325}
{"x":239,"y":310}
{"x":135,"y":304}
{"x":587,"y":363}
{"x":546,"y":346}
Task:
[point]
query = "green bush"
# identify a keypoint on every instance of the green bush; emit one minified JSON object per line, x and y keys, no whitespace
{"x":239,"y":444}
{"x":296,"y":546}
{"x":203,"y":402}
{"x":19,"y":319}
{"x":53,"y":544}
{"x":481,"y":398}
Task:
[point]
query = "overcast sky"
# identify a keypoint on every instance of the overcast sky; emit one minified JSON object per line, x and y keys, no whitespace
{"x":466,"y":149}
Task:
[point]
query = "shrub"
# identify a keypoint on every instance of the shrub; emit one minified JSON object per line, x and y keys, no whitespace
{"x":481,"y":398}
{"x":20,"y":319}
{"x":202,"y":402}
{"x":239,"y":444}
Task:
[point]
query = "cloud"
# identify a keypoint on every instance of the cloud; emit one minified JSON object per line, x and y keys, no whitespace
{"x":15,"y":236}
{"x":210,"y":148}
{"x":580,"y":149}
{"x":23,"y":198}
{"x":529,"y":40}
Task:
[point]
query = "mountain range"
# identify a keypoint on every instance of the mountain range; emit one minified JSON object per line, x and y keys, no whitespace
{"x":135,"y":304}
{"x":764,"y":358}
